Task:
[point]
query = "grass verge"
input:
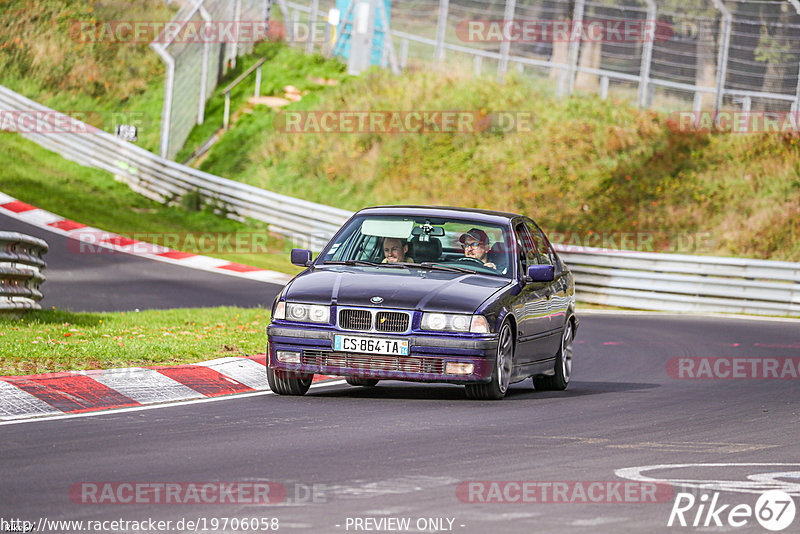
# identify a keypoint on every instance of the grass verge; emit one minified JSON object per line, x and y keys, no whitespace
{"x":49,"y":341}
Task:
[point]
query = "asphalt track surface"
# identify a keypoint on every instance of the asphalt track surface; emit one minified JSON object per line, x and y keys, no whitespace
{"x":401,"y":450}
{"x":122,"y":282}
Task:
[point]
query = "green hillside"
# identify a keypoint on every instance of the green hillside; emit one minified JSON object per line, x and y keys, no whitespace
{"x":592,"y":172}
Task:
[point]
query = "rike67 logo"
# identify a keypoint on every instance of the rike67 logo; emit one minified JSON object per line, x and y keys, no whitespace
{"x":774,"y":510}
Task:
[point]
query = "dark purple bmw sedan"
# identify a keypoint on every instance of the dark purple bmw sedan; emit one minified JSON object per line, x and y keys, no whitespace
{"x":427,"y":294}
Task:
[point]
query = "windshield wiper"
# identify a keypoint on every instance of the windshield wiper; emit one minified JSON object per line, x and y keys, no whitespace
{"x":438,"y":267}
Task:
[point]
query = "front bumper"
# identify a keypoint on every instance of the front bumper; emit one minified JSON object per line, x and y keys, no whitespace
{"x":426,"y":361}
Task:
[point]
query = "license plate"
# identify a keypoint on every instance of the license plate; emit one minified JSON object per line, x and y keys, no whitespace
{"x":371,"y":345}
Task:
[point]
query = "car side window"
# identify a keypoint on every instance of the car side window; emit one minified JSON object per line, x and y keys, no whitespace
{"x":371,"y":249}
{"x":543,"y":255}
{"x":527,"y":248}
{"x":547,"y":254}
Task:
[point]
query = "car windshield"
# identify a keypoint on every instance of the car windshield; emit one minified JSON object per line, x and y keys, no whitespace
{"x":456,"y":245}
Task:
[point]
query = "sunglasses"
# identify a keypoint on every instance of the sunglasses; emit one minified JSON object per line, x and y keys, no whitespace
{"x":474,"y":244}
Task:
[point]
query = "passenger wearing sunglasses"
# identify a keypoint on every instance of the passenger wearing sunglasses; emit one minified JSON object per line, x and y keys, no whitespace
{"x":476,"y":246}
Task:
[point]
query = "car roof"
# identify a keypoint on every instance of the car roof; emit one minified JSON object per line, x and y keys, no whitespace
{"x":478,"y":215}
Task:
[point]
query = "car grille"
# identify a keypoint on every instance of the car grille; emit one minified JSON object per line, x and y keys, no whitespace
{"x":391,"y":322}
{"x":365,"y":320}
{"x":373,"y":362}
{"x":355,"y":319}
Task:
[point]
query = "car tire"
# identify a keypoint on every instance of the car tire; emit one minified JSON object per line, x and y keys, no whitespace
{"x":497,"y":387}
{"x":366,"y":382}
{"x":288,"y":382}
{"x":563,"y":366}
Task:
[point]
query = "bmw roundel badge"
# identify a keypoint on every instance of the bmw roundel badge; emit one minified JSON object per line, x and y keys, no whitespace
{"x":376,"y":300}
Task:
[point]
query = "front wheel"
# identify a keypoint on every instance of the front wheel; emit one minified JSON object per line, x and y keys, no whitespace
{"x":288,"y":382}
{"x":501,"y":374}
{"x":563,"y":367}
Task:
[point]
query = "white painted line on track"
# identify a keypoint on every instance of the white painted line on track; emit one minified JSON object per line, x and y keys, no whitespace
{"x":756,"y":482}
{"x":579,"y":312}
{"x":115,"y":411}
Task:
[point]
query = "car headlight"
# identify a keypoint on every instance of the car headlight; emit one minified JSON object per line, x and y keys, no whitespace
{"x":306,"y":313}
{"x":451,"y":322}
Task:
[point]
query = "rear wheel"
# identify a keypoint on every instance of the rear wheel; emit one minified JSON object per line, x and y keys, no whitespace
{"x":563,"y":367}
{"x":366,"y":382}
{"x":501,"y":374}
{"x":288,"y":382}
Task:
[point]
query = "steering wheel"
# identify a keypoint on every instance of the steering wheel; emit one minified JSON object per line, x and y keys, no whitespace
{"x":476,"y":260}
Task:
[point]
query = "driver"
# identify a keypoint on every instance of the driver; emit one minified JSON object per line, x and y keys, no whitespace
{"x":476,"y":246}
{"x":395,"y":250}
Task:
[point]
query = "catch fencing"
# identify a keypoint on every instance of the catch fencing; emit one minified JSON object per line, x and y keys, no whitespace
{"x":679,"y":54}
{"x":21,"y":271}
{"x":193,"y":69}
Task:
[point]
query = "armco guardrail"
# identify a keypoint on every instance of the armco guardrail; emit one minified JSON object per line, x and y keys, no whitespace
{"x":667,"y":282}
{"x":674,"y":282}
{"x":306,"y":223}
{"x":21,"y":271}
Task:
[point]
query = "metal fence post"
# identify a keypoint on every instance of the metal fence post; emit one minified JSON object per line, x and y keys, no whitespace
{"x":388,"y":38}
{"x":505,"y":45}
{"x":441,"y":29}
{"x":647,"y":53}
{"x":266,"y":8}
{"x":166,"y":110}
{"x":295,"y":24}
{"x":237,"y":17}
{"x":403,"y":53}
{"x":796,"y":4}
{"x":722,"y":60}
{"x":575,"y":44}
{"x":312,"y":20}
{"x":201,"y":103}
{"x":287,"y":21}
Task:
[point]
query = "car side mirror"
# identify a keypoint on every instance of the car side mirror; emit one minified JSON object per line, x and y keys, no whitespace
{"x":301,"y":257}
{"x":541,"y":273}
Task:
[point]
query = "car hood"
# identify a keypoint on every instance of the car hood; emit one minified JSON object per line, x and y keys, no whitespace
{"x":415,"y":289}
